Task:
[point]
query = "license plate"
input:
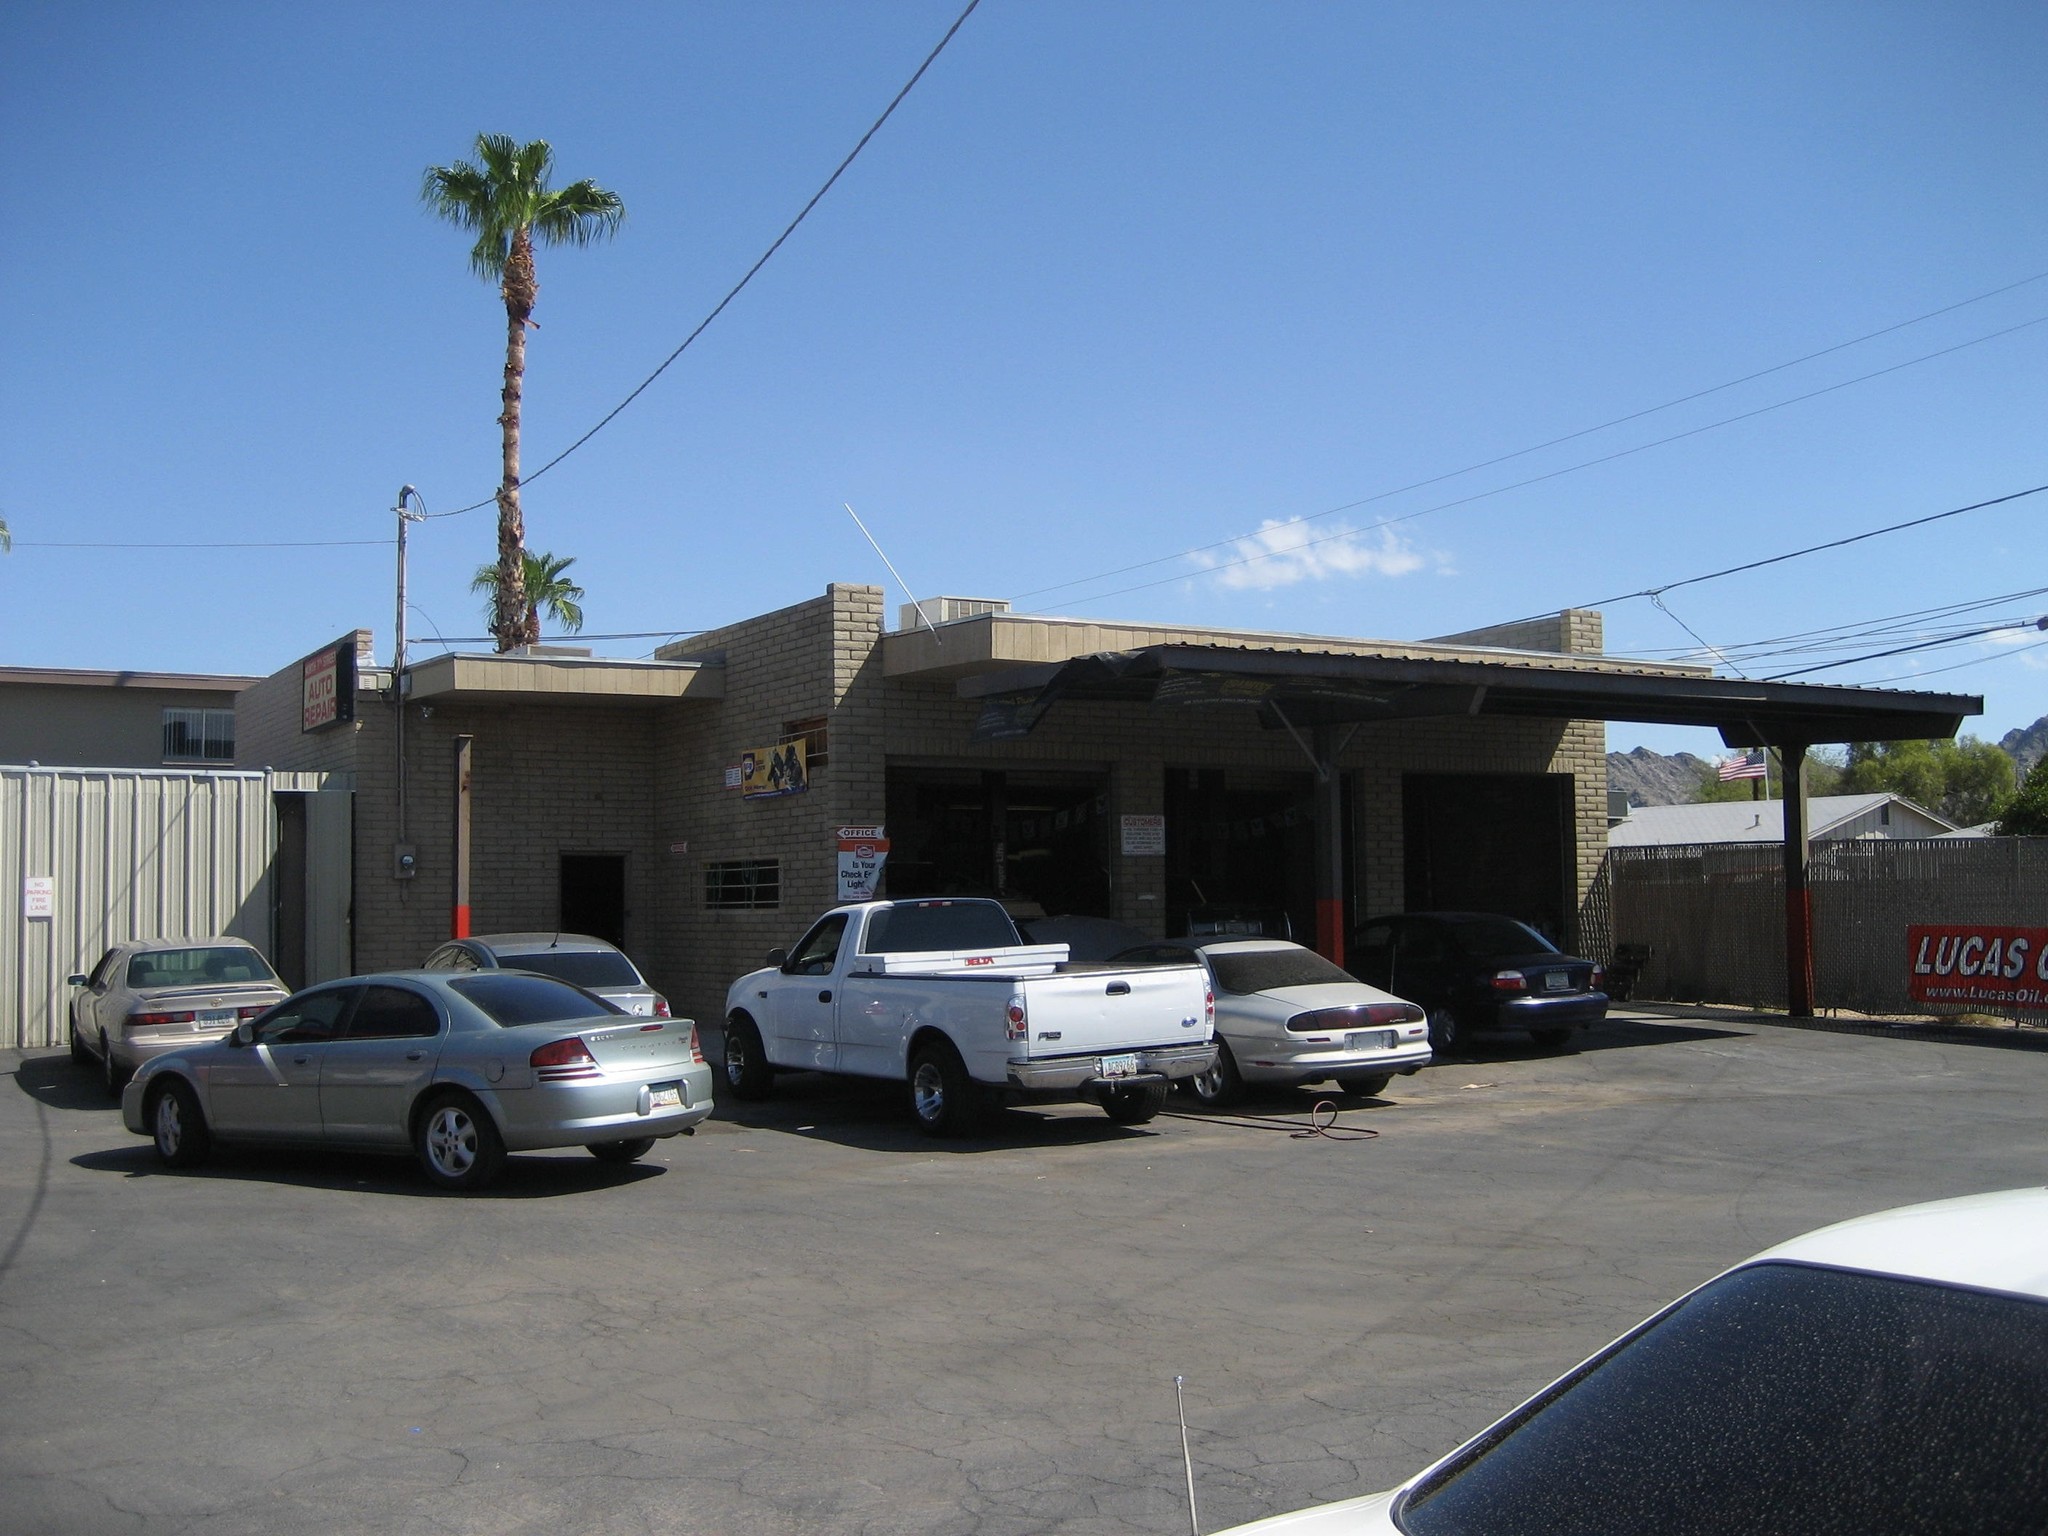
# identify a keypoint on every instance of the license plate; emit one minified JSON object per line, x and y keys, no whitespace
{"x":1557,"y":981}
{"x":214,"y":1018}
{"x":1119,"y":1066}
{"x":668,"y":1096}
{"x":1369,"y":1040}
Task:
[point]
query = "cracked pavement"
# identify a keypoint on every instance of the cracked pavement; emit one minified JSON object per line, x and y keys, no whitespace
{"x":809,"y":1319}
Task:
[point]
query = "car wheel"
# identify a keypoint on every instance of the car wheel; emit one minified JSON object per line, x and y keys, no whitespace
{"x":81,"y":1054}
{"x":1551,"y":1039}
{"x":747,"y":1072}
{"x":945,"y":1100}
{"x":112,"y":1077}
{"x":623,"y":1151}
{"x":1220,"y":1083}
{"x":1365,"y":1085}
{"x":1134,"y":1105}
{"x":1444,"y":1034}
{"x":458,"y":1146}
{"x":177,"y":1126}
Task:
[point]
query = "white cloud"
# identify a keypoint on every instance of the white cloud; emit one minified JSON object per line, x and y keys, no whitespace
{"x":1282,"y":553}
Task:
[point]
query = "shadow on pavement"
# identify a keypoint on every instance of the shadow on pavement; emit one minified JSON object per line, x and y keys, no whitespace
{"x":60,"y":1083}
{"x":1990,"y":1037}
{"x":874,"y":1116}
{"x":527,"y":1175}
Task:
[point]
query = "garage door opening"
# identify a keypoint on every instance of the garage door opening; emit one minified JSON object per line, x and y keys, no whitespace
{"x":593,"y":895}
{"x":1491,"y":842}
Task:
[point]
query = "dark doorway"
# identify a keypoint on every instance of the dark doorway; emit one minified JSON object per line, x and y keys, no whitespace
{"x":1491,"y":842}
{"x":1028,"y":836}
{"x":594,"y":896}
{"x":1240,"y":852}
{"x":288,"y":891}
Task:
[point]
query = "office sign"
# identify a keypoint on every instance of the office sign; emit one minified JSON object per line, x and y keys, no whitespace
{"x":862,"y":853}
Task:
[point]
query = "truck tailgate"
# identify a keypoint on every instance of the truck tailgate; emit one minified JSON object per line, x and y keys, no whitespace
{"x":1096,"y":1011}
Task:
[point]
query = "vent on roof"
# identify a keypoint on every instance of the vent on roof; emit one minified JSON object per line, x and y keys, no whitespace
{"x":943,"y":610}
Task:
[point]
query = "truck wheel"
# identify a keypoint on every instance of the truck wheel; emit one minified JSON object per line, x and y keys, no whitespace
{"x":1220,"y":1083}
{"x":747,"y":1072}
{"x":945,"y":1100}
{"x":1134,"y":1106}
{"x":1365,"y":1085}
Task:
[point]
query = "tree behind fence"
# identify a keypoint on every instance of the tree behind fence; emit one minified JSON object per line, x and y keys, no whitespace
{"x":1712,"y":916}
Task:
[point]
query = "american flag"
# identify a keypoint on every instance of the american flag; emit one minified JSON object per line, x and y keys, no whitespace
{"x":1748,"y":766}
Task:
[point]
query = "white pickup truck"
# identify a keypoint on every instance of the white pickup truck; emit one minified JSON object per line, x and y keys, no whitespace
{"x":944,"y":994}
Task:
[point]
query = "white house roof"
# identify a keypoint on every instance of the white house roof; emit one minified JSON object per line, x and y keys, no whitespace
{"x":1763,"y":821}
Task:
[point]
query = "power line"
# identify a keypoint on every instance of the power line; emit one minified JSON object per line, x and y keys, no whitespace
{"x":1974,"y":661}
{"x":1518,"y":453}
{"x":268,"y":544}
{"x":1608,"y":458}
{"x":1924,"y":645}
{"x":733,"y":293}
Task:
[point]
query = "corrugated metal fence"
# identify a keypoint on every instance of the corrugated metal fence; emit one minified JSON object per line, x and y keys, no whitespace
{"x":121,"y":853}
{"x":1707,"y":921}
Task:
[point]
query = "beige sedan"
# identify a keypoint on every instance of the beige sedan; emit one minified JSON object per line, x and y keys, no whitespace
{"x":148,"y":996}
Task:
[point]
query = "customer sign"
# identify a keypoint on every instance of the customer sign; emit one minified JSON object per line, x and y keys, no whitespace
{"x":1982,"y":963}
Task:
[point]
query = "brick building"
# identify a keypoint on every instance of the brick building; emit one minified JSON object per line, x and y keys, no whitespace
{"x":1145,"y":773}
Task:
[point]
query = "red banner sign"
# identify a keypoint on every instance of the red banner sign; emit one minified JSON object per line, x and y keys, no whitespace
{"x":2003,"y":968}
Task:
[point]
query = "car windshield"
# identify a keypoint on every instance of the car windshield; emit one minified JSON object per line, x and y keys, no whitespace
{"x":1261,"y":970}
{"x":204,"y":966}
{"x":912,"y":927}
{"x":512,"y":1000}
{"x":1488,"y":938}
{"x":1780,"y":1398}
{"x":585,"y":967}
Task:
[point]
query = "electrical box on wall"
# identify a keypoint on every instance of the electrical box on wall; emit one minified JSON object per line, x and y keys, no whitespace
{"x":404,"y":861}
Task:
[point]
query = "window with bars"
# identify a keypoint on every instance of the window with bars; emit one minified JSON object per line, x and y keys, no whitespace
{"x":813,"y":733}
{"x":199,"y":735}
{"x":743,"y":883}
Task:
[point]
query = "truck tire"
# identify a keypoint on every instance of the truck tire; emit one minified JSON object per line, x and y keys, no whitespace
{"x":944,"y":1099}
{"x":747,"y":1072}
{"x":1136,"y":1105}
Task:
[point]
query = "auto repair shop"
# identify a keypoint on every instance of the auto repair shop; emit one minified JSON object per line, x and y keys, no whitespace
{"x":691,"y":807}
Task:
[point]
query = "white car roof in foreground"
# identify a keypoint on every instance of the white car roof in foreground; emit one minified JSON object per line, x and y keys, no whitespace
{"x":1995,"y":1242}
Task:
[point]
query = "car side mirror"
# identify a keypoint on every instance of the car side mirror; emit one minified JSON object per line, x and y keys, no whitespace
{"x":74,"y":981}
{"x":245,"y":1033}
{"x":778,"y":958}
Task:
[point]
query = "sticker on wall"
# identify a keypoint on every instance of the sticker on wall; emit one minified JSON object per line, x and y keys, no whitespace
{"x":1144,"y":837}
{"x":862,"y":852}
{"x":776,"y":770}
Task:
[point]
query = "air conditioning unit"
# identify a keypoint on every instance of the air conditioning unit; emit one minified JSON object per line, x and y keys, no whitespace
{"x":944,"y":610}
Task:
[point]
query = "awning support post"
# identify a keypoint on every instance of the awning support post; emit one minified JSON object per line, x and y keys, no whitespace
{"x":1329,"y":847}
{"x":1798,"y":899}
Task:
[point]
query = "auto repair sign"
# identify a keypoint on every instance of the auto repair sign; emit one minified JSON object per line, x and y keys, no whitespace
{"x":2005,"y":968}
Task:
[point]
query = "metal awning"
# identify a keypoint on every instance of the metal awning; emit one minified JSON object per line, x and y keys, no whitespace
{"x":1302,"y":689}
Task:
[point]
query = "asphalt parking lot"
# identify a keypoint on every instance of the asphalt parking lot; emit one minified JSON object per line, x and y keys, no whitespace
{"x":809,"y":1319}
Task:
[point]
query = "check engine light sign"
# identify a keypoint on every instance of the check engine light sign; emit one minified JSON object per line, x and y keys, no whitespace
{"x":1978,"y":963}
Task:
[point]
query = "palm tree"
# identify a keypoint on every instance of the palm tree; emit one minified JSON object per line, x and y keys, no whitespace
{"x":546,"y":585}
{"x":505,"y":198}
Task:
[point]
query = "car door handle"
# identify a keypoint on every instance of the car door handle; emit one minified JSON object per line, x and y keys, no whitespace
{"x":1118,"y":989}
{"x":415,"y":1055}
{"x":300,"y":1061}
{"x":824,"y":997}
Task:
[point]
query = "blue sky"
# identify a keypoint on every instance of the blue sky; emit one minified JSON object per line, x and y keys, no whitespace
{"x":1118,"y":282}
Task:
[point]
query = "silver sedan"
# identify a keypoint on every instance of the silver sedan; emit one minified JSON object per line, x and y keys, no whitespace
{"x":1285,"y":1015}
{"x":148,"y":996}
{"x":461,"y":1068}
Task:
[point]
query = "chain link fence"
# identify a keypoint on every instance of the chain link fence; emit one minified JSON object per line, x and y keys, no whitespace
{"x":1705,"y":922}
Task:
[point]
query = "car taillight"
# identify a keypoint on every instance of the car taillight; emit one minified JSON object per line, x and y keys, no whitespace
{"x":696,"y":1047}
{"x":562,"y":1061}
{"x":1209,"y":1005}
{"x":249,"y":1012}
{"x":141,"y":1018}
{"x":1391,"y":1013}
{"x":661,"y":1007}
{"x":1599,"y":978}
{"x":1510,"y":981}
{"x":1016,"y":1023}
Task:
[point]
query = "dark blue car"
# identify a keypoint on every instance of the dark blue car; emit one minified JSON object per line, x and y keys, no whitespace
{"x":1478,"y":973}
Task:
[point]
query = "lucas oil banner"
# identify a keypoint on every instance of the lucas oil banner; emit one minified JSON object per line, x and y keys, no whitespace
{"x":1979,"y":963}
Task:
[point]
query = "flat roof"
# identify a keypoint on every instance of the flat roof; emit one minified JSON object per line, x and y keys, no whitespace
{"x":87,"y":677}
{"x":563,"y":679}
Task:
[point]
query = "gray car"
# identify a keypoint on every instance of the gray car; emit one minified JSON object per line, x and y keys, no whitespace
{"x":148,"y":996}
{"x":591,"y":964}
{"x":461,"y":1068}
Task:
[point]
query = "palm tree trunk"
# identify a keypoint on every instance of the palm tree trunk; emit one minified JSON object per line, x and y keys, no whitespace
{"x":520,"y":290}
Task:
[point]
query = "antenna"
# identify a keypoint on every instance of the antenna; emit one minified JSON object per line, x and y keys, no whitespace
{"x":1187,"y":1457}
{"x":863,"y":527}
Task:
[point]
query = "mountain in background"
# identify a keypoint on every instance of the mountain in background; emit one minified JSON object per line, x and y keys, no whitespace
{"x":2025,"y":747}
{"x":1651,"y":778}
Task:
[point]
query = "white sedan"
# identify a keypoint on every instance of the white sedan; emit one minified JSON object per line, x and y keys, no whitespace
{"x":1887,"y":1374}
{"x":1285,"y":1016}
